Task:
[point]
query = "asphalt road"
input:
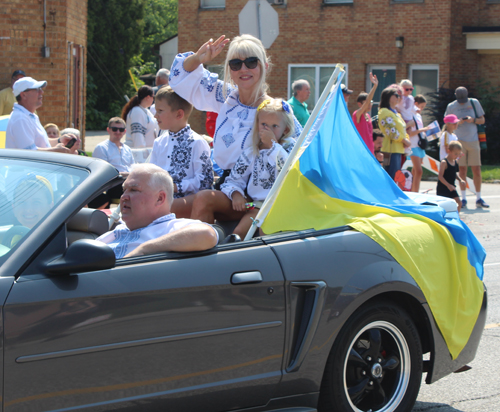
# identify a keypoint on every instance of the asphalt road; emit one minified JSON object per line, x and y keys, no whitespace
{"x":477,"y":390}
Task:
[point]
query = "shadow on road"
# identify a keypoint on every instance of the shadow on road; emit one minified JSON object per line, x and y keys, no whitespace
{"x":434,"y":407}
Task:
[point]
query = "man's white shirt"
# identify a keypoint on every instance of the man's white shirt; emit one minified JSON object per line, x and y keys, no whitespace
{"x":24,"y":130}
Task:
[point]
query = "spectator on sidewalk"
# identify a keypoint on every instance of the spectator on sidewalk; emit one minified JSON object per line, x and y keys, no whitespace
{"x":362,"y":116}
{"x":141,"y":124}
{"x":301,"y":92}
{"x":7,"y":98}
{"x":471,"y":114}
{"x":346,"y":92}
{"x":24,"y":130}
{"x":161,"y":81}
{"x":118,"y":155}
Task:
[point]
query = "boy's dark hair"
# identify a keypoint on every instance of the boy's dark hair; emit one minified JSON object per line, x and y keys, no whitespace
{"x":175,"y":101}
{"x":376,"y":134}
{"x":116,"y":120}
{"x":420,"y":98}
{"x":362,"y":97}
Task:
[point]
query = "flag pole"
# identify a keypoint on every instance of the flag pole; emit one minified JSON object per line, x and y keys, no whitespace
{"x":264,"y":210}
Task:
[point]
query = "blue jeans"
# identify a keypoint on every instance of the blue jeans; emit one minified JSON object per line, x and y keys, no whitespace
{"x":395,"y":165}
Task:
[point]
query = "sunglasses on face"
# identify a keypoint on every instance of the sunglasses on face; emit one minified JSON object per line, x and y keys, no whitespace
{"x":37,"y":90}
{"x":397,"y":95}
{"x":250,"y":63}
{"x":409,"y":89}
{"x":118,"y":129}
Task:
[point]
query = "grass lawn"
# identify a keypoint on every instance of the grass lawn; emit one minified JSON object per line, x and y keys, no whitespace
{"x":489,"y":173}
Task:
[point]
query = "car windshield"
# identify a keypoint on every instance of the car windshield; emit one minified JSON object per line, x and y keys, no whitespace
{"x":28,"y":192}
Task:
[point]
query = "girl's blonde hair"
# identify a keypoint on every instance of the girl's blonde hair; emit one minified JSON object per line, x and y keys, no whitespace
{"x":273,"y":106}
{"x":242,"y":47}
{"x":52,"y":125}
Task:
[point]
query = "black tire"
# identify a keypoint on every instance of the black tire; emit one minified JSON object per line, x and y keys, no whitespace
{"x":375,"y":363}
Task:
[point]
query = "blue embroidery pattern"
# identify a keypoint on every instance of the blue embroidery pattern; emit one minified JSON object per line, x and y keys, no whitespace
{"x":218,"y":93}
{"x":122,"y":239}
{"x":208,"y":81}
{"x":228,"y":139}
{"x":206,"y":182}
{"x":243,"y":114}
{"x":245,"y":138}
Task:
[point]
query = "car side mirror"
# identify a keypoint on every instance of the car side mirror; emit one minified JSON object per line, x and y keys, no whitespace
{"x":84,"y":255}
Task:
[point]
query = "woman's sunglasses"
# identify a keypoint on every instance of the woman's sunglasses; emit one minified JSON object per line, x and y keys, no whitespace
{"x":118,"y":129}
{"x":397,"y":95}
{"x":250,"y":63}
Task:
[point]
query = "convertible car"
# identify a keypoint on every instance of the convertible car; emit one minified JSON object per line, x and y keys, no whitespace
{"x":296,"y":321}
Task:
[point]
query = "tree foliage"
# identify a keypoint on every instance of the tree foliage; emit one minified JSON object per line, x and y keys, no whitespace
{"x":115,"y":31}
{"x":122,"y":36}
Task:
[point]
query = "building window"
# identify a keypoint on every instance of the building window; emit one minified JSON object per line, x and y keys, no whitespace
{"x":212,"y":4}
{"x":316,"y":74}
{"x":386,"y":75}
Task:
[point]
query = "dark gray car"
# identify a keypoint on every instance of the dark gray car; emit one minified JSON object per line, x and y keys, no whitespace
{"x":302,"y":321}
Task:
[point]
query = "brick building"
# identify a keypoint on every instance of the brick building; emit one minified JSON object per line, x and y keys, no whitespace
{"x":47,"y":39}
{"x":450,"y":42}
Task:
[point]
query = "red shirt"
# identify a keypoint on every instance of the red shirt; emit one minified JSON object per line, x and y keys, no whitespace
{"x":365,"y":129}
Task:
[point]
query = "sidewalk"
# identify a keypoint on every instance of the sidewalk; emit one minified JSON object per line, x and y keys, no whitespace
{"x":93,"y":138}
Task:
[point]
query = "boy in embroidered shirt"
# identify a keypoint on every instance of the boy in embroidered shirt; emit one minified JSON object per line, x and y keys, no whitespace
{"x":184,"y":154}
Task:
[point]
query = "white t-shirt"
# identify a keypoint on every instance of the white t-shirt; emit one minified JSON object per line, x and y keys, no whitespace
{"x":123,"y":240}
{"x":445,"y":138}
{"x":24,"y":130}
{"x":141,"y":128}
{"x":407,"y":108}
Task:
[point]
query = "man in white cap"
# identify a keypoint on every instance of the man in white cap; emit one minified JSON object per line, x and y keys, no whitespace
{"x":24,"y":130}
{"x":465,"y":109}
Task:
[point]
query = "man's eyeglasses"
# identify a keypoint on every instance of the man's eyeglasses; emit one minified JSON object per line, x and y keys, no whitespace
{"x":250,"y":63}
{"x":409,"y":89}
{"x":37,"y":90}
{"x":118,"y":129}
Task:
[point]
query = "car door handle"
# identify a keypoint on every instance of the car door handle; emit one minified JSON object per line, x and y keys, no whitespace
{"x":246,"y":277}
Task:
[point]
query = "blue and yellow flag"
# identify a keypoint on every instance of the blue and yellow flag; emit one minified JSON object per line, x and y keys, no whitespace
{"x":337,"y":181}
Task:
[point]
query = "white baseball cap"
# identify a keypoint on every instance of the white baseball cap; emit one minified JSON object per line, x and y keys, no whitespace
{"x":26,"y":83}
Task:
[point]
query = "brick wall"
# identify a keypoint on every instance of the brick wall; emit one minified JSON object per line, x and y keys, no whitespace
{"x":359,"y":34}
{"x":21,"y":40}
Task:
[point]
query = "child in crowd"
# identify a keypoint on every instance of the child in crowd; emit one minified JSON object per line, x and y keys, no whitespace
{"x":417,"y":153}
{"x":406,"y":107}
{"x":362,"y":117}
{"x":52,"y":130}
{"x":447,"y":135}
{"x":378,"y":139}
{"x":448,"y":172}
{"x":256,"y":169}
{"x":181,"y":152}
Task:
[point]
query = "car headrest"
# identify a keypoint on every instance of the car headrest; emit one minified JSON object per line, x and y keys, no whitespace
{"x":89,"y":220}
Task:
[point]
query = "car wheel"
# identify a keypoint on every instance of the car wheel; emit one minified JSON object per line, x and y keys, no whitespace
{"x":375,"y":363}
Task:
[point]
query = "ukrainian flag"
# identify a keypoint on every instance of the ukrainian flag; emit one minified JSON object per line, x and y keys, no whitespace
{"x":336,"y":181}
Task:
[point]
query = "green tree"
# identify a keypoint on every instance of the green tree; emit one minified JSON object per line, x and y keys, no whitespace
{"x":160,"y":24}
{"x":115,"y":34}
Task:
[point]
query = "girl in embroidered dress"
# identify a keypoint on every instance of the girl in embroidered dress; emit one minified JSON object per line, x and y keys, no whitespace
{"x":235,"y":100}
{"x":141,"y":124}
{"x":258,"y":166}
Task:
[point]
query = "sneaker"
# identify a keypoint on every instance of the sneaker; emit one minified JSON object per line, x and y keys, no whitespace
{"x":464,"y":203}
{"x":481,"y":203}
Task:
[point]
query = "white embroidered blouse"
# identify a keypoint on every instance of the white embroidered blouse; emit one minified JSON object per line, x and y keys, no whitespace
{"x":235,"y":121}
{"x":257,"y":173}
{"x":142,"y":128}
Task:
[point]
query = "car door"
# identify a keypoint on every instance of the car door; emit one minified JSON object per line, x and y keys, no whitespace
{"x":204,"y":331}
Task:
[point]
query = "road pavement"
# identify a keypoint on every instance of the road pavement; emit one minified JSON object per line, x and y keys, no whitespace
{"x":477,"y":390}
